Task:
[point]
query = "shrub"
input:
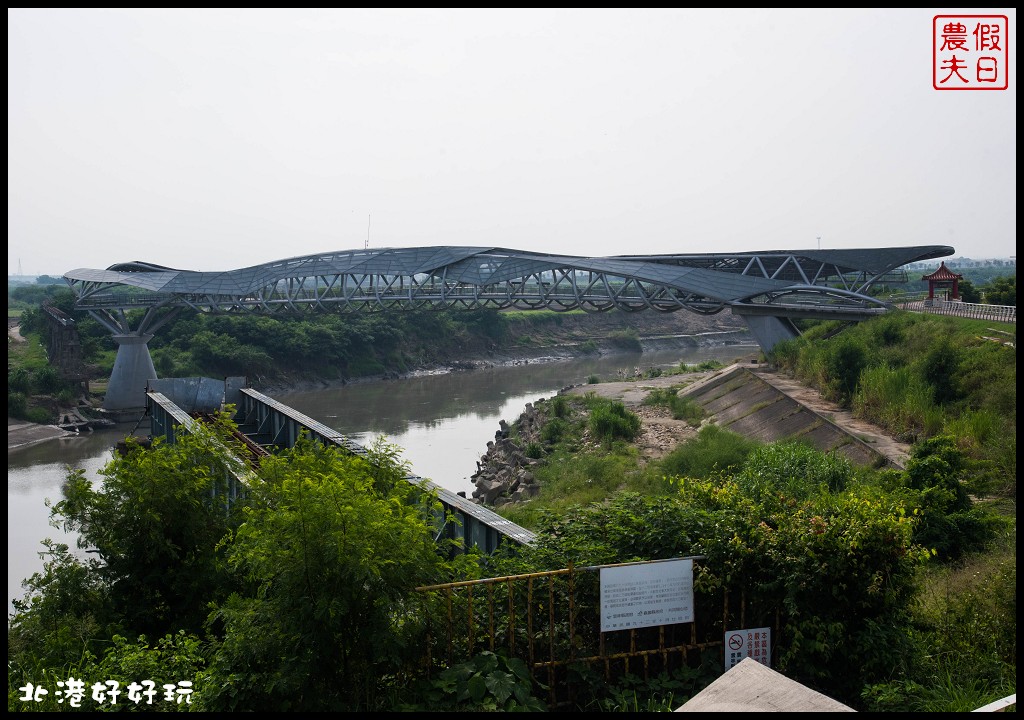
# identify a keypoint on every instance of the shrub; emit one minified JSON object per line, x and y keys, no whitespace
{"x":38,"y":415}
{"x":18,"y":380}
{"x":793,"y":470}
{"x":488,"y":682}
{"x":614,"y":422}
{"x":46,"y":380}
{"x":17,"y":404}
{"x":844,"y":362}
{"x":554,"y":430}
{"x":713,"y":451}
{"x":940,"y":370}
{"x":559,"y":406}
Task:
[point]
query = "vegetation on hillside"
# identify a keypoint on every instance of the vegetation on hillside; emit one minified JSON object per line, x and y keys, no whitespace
{"x":919,"y":376}
{"x":301,"y":596}
{"x":954,"y":495}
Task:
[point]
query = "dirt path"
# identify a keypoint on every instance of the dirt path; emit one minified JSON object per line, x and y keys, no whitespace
{"x":14,"y":331}
{"x":661,"y":433}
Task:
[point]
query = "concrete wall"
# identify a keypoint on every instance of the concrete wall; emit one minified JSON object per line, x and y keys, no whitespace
{"x":740,"y":401}
{"x":199,"y":394}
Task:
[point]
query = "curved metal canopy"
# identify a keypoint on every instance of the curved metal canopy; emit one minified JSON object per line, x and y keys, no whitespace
{"x":780,"y":283}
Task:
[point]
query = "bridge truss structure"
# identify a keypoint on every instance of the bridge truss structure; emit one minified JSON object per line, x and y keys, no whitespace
{"x":769,"y":289}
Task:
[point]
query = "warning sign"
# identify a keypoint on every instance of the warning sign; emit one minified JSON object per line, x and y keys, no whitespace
{"x":755,"y":643}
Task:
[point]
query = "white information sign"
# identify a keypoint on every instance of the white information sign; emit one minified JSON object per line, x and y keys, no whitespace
{"x":646,"y":594}
{"x":754,"y":643}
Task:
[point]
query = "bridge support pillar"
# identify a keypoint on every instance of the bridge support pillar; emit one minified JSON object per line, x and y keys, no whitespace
{"x":133,"y":369}
{"x":769,"y":330}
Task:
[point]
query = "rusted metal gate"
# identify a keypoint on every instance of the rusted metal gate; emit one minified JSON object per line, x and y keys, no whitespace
{"x":551,"y":620}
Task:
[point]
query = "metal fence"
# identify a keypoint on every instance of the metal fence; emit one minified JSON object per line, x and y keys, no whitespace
{"x":551,"y":620}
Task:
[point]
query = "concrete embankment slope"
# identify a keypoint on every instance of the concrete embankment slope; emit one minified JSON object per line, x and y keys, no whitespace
{"x":765,"y":406}
{"x":23,"y":434}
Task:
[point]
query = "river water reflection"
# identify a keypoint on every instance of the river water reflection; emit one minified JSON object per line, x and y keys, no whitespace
{"x":441,"y":422}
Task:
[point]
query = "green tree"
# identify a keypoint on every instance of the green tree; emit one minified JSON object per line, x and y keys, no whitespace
{"x":154,"y":525}
{"x":64,"y":616}
{"x":968,"y":292}
{"x":1002,"y":291}
{"x":328,"y":555}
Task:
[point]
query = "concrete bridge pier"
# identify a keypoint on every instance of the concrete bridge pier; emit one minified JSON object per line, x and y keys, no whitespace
{"x":769,"y":330}
{"x":133,"y":369}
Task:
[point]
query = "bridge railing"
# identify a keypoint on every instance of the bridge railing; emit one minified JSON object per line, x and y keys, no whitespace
{"x":956,"y":308}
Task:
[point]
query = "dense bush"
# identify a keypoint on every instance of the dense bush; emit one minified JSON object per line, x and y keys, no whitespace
{"x":918,"y":376}
{"x":554,"y":430}
{"x":786,"y":471}
{"x":964,"y":638}
{"x":19,"y":380}
{"x":713,"y":451}
{"x":310,"y":576}
{"x":17,"y":405}
{"x":1001,"y":291}
{"x":612,"y":421}
{"x":839,"y":568}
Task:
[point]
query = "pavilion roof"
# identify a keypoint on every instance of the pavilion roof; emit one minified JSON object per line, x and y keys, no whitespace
{"x":943,"y":273}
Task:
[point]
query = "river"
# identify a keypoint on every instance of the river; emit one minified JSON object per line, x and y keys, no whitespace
{"x":442,"y":422}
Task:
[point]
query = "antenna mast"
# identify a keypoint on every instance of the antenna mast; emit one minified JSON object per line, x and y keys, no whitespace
{"x":367,"y":232}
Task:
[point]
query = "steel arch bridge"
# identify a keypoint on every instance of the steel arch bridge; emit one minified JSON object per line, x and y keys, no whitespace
{"x":768,"y":289}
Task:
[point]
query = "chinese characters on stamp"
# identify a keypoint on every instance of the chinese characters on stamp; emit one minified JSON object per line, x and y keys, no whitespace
{"x":970,"y":52}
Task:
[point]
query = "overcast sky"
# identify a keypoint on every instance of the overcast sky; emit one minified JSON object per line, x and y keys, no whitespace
{"x":217,"y":139}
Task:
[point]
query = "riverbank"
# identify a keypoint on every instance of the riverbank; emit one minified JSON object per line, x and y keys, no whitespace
{"x":748,"y":398}
{"x":760,"y":402}
{"x":526,"y":355}
{"x":21,"y":434}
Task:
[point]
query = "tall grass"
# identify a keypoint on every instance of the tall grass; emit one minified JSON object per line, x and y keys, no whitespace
{"x":922,"y":376}
{"x":966,"y":621}
{"x":713,"y":451}
{"x":682,"y":408}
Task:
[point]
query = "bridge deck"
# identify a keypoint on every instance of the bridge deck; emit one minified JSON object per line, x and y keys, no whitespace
{"x":286,"y":425}
{"x":273,"y":424}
